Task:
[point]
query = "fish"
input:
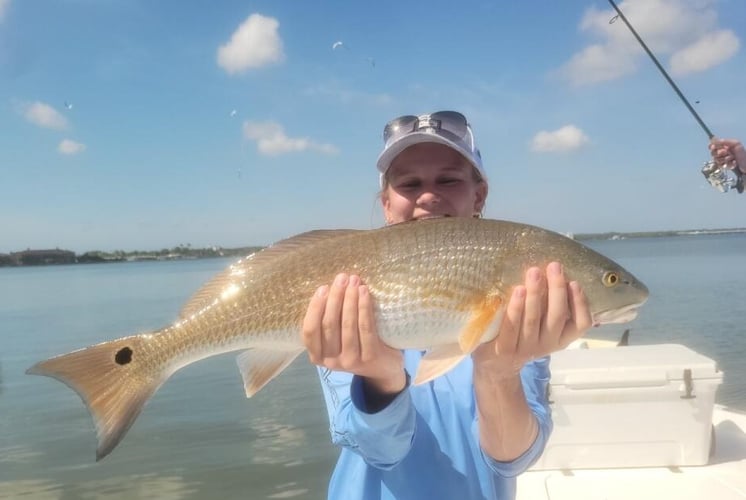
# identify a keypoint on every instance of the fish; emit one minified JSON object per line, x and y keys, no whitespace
{"x":439,"y":285}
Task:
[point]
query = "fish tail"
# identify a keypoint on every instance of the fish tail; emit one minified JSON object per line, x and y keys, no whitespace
{"x":112,"y":380}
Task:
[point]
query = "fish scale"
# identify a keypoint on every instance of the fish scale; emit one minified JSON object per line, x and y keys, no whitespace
{"x":439,"y":285}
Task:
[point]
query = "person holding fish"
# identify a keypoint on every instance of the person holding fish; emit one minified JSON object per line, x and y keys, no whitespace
{"x":728,"y":153}
{"x":471,"y":431}
{"x":470,"y":307}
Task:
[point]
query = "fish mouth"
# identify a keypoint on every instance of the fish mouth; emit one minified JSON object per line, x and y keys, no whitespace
{"x":619,"y":315}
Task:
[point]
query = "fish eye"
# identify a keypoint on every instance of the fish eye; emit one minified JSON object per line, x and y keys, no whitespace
{"x":610,"y":279}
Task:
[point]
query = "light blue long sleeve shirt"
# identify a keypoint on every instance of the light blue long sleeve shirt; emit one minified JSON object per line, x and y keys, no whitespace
{"x":425,"y":443}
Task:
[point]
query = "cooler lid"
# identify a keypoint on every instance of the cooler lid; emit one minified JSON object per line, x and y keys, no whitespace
{"x":627,"y":366}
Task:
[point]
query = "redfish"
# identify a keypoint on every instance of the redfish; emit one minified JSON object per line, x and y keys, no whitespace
{"x":439,"y":285}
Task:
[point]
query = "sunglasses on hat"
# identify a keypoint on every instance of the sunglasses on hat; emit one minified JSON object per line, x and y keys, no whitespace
{"x":450,"y":124}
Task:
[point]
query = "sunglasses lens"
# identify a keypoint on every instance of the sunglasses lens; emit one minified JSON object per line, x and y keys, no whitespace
{"x":451,"y":122}
{"x":399,"y":127}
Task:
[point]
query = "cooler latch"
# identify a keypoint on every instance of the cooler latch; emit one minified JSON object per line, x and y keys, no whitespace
{"x":688,"y":385}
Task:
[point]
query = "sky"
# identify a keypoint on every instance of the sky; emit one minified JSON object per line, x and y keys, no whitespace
{"x":139,"y":125}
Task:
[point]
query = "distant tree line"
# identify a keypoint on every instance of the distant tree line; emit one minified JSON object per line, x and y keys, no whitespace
{"x":31,"y":257}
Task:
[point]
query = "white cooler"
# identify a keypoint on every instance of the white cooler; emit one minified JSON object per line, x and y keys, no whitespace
{"x":632,"y":406}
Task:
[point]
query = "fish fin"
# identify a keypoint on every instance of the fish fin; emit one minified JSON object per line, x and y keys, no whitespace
{"x":250,"y":267}
{"x":483,"y":317}
{"x":624,"y":340}
{"x":110,"y":379}
{"x":211,"y":290}
{"x":438,"y":361}
{"x":259,"y":366}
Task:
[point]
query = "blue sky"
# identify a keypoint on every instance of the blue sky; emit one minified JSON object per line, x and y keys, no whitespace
{"x":133,"y":124}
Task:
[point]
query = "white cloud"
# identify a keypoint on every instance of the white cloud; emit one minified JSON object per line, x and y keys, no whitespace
{"x":680,"y":29}
{"x":44,"y":115}
{"x":598,"y":63}
{"x":254,"y":44}
{"x":271,"y":140}
{"x":564,"y":139}
{"x":70,"y":147}
{"x":710,"y":50}
{"x":3,"y":7}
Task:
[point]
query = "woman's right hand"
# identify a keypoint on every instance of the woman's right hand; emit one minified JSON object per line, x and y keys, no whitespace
{"x":339,"y":332}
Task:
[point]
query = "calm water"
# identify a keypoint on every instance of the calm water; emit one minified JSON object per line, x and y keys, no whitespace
{"x":199,"y":437}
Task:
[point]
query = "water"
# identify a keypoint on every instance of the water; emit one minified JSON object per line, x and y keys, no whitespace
{"x":199,"y":437}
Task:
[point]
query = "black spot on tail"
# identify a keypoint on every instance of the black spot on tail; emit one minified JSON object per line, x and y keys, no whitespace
{"x":123,"y":356}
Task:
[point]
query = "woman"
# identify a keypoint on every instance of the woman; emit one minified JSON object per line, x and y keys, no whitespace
{"x":468,"y":433}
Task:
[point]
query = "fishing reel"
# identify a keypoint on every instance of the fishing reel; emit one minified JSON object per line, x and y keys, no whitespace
{"x":721,"y":178}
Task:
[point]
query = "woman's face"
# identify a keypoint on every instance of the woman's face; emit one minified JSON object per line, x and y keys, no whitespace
{"x":431,"y":180}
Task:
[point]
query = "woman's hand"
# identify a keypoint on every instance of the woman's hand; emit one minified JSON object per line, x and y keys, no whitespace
{"x":339,"y":332}
{"x":543,"y":316}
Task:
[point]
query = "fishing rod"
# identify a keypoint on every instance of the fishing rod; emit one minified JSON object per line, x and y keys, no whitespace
{"x":722,"y":179}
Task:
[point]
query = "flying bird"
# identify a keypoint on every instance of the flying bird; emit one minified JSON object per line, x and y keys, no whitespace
{"x":340,"y":44}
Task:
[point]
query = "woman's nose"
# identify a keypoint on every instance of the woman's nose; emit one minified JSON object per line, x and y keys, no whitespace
{"x":428,"y":197}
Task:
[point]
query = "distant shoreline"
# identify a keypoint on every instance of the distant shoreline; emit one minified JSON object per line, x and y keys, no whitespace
{"x":614,"y":235}
{"x":31,"y":257}
{"x":57,"y":256}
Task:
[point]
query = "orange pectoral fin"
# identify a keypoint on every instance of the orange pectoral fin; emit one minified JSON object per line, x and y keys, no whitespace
{"x":484,"y":316}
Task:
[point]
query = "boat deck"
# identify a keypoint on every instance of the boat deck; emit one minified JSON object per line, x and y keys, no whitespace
{"x":723,"y":478}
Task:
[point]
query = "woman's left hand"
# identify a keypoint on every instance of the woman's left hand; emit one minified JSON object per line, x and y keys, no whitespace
{"x":543,"y":316}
